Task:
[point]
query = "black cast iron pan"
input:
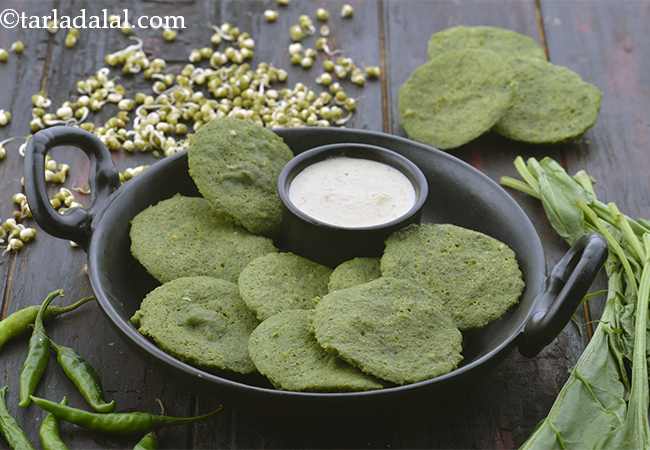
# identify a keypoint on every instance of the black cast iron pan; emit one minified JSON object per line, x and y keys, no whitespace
{"x":459,"y":194}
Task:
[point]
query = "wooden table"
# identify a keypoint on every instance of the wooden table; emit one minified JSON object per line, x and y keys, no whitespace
{"x":601,"y":40}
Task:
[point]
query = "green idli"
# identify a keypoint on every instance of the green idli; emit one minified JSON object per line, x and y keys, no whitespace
{"x":184,"y":236}
{"x":199,"y":320}
{"x":476,"y":276}
{"x":281,"y":281}
{"x":283,"y":349}
{"x":552,"y":104}
{"x":392,"y":329}
{"x":456,"y":97}
{"x":499,"y":40}
{"x":235,"y":164}
{"x":353,"y":272}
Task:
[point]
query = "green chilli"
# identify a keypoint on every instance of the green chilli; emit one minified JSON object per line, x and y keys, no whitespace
{"x":10,"y":429}
{"x":148,"y":442}
{"x":37,"y":355}
{"x":115,"y":423}
{"x":19,"y":322}
{"x":48,"y":433}
{"x":84,"y":377}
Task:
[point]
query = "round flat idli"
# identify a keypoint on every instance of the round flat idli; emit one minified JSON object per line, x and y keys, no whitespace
{"x":552,"y":104}
{"x":392,"y":329}
{"x":283,"y":349}
{"x":236,"y":164}
{"x":496,"y":39}
{"x":184,"y":236}
{"x":353,"y":272}
{"x":456,"y":97}
{"x":281,"y":281}
{"x":199,"y":320}
{"x":477,"y":277}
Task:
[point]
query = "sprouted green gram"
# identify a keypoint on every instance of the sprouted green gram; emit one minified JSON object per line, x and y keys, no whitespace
{"x":3,"y":149}
{"x":218,"y":82}
{"x":132,"y":172}
{"x":52,"y":27}
{"x":17,"y":47}
{"x":271,"y":15}
{"x":347,"y":11}
{"x":5,"y":117}
{"x":169,"y":35}
{"x":604,"y":403}
{"x":64,"y":200}
{"x":305,"y":23}
{"x":20,"y":200}
{"x":373,"y":72}
{"x":322,"y":14}
{"x":296,"y":33}
{"x":71,"y":38}
{"x":15,"y":235}
{"x":55,"y":172}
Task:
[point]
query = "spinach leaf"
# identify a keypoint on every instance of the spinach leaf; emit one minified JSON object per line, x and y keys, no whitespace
{"x":560,"y":194}
{"x":592,"y":402}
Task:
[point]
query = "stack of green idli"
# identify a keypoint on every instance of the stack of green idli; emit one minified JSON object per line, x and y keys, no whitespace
{"x":392,"y":320}
{"x":235,"y":165}
{"x":232,"y":302}
{"x":484,"y":78}
{"x":198,"y":247}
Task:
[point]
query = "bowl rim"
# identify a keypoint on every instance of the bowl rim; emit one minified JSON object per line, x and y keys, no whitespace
{"x":303,"y":160}
{"x":128,"y":330}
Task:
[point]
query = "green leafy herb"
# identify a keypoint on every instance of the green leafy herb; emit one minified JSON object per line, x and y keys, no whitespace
{"x":604,"y":403}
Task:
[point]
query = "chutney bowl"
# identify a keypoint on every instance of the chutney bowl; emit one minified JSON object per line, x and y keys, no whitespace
{"x":330,"y":244}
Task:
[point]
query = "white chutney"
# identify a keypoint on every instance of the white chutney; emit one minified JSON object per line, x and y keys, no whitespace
{"x":352,"y":192}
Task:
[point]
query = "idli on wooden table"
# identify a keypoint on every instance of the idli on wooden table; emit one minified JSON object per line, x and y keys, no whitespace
{"x":184,"y":236}
{"x":390,"y":328}
{"x":235,"y":165}
{"x":476,"y":276}
{"x":282,"y":281}
{"x":552,"y":104}
{"x":283,"y":349}
{"x":500,"y":40}
{"x":456,"y":97}
{"x":200,"y":320}
{"x":353,"y":272}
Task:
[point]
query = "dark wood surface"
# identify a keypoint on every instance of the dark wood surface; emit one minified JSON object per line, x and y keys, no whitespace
{"x":602,"y":40}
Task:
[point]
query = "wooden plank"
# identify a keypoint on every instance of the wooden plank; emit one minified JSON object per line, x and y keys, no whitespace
{"x":605,"y":43}
{"x":503,"y":409}
{"x":20,"y":78}
{"x":50,"y":263}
